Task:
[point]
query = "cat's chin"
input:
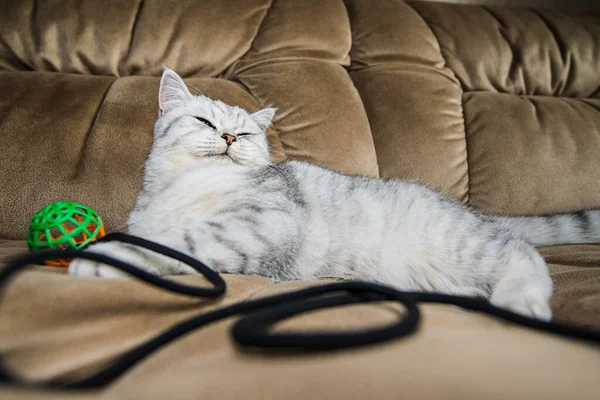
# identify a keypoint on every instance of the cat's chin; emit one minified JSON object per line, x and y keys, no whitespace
{"x":221,"y":158}
{"x":228,"y":158}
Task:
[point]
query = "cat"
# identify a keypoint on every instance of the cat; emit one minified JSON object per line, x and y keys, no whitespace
{"x":212,"y":191}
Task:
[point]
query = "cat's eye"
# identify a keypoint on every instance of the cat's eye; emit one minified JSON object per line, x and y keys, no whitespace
{"x":244,"y":134}
{"x":206,"y":122}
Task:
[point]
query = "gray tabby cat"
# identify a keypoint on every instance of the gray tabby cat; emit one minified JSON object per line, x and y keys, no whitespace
{"x":212,"y":191}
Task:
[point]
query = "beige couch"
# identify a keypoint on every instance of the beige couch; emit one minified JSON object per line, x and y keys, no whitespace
{"x":498,"y":107}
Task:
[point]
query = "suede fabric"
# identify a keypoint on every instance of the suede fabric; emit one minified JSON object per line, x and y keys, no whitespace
{"x":495,"y":106}
{"x":519,"y":51}
{"x":76,"y":325}
{"x":131,"y":37}
{"x":439,"y":80}
{"x":545,"y":159}
{"x":541,"y":4}
{"x":575,"y":271}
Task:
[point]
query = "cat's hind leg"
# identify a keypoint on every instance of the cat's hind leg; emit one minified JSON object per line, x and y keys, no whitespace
{"x":523,"y":282}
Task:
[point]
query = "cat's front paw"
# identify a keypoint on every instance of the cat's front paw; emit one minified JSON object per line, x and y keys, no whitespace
{"x":84,"y":267}
{"x":533,"y":302}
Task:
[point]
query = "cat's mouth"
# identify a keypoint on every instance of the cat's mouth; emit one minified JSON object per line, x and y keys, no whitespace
{"x":223,"y":156}
{"x":232,"y":157}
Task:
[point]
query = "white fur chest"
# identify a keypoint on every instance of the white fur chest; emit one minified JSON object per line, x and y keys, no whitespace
{"x":198,"y":193}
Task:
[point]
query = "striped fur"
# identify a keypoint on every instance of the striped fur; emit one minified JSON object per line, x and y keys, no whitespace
{"x":231,"y":207}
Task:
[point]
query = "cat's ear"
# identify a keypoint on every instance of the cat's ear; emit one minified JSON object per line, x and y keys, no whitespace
{"x":263,"y":117}
{"x":172,"y":92}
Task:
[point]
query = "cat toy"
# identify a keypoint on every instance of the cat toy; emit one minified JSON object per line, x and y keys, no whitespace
{"x":62,"y":225}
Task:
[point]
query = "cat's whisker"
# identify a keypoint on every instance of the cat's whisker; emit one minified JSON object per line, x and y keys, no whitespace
{"x":260,"y":106}
{"x":174,"y":150}
{"x":280,"y":171}
{"x":196,"y":89}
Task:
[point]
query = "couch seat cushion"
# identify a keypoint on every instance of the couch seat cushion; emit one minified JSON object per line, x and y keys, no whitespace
{"x":57,"y":325}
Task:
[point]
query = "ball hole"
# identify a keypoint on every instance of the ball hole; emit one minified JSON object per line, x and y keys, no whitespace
{"x":55,"y":234}
{"x":69,"y":226}
{"x":80,"y":238}
{"x":41,"y":237}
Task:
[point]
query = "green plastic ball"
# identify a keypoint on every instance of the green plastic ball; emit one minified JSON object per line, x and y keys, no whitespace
{"x":61,"y":225}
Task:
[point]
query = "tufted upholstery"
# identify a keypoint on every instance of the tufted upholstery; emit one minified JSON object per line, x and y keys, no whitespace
{"x":442,"y":75}
{"x":102,"y":90}
{"x":496,"y":106}
{"x":447,"y":77}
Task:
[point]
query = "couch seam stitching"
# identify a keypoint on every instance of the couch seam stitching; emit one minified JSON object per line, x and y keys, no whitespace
{"x":14,"y":61}
{"x":462,"y":110}
{"x":91,"y":129}
{"x":564,"y":55}
{"x":136,"y":19}
{"x":513,"y":65}
{"x":233,"y":76}
{"x":349,"y":70}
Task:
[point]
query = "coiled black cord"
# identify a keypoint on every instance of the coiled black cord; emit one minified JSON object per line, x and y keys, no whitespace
{"x":252,"y":329}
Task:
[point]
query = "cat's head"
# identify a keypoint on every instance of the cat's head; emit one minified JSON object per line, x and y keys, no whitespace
{"x":198,"y":127}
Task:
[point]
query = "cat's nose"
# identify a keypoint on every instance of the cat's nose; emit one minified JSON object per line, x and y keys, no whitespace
{"x":228,"y":138}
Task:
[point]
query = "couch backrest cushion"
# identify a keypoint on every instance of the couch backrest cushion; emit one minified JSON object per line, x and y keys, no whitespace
{"x":128,"y":37}
{"x":499,"y":107}
{"x":79,"y":86}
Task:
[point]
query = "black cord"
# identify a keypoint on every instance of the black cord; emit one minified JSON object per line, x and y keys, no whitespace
{"x":252,"y":329}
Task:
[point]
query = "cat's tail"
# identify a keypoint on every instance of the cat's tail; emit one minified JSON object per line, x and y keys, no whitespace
{"x":546,"y":230}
